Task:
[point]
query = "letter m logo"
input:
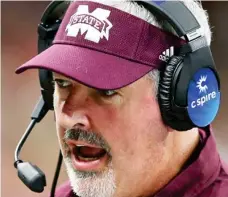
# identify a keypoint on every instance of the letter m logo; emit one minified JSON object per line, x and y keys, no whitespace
{"x":95,"y":24}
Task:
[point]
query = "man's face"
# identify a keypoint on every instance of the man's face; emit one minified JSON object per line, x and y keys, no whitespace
{"x":113,"y":142}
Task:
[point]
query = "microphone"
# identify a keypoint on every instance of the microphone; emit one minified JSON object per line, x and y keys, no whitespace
{"x":30,"y":174}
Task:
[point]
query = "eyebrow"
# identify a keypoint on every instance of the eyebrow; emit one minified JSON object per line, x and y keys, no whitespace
{"x":62,"y":77}
{"x":56,"y":75}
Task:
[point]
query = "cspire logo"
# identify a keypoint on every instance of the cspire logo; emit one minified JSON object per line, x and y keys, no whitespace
{"x":201,"y":85}
{"x":203,"y":97}
{"x":202,"y":88}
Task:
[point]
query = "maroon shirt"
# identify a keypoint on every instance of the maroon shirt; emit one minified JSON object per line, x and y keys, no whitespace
{"x":204,"y":175}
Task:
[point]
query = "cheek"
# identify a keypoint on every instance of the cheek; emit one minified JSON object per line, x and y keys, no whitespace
{"x":56,"y":100}
{"x":111,"y":122}
{"x":142,"y":126}
{"x":60,"y":135}
{"x":151,"y":120}
{"x":150,"y":107}
{"x":139,"y":137}
{"x":143,"y":113}
{"x":106,"y":120}
{"x":57,"y":112}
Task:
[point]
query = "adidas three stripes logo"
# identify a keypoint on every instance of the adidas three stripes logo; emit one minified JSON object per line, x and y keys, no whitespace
{"x":167,"y":54}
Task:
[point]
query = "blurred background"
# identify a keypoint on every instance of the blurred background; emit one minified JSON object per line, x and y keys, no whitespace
{"x":21,"y":92}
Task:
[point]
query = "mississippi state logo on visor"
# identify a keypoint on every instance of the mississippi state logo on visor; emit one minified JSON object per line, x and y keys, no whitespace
{"x":95,"y":24}
{"x":203,"y":97}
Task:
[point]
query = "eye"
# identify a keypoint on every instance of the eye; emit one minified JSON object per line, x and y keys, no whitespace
{"x":108,"y":93}
{"x":61,"y":83}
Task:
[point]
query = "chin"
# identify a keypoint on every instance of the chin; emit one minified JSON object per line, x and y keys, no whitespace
{"x":91,"y":184}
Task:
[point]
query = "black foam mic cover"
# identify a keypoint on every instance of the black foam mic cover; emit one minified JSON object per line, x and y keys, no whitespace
{"x":31,"y":176}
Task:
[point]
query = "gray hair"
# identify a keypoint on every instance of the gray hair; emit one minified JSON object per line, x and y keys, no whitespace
{"x":139,"y":11}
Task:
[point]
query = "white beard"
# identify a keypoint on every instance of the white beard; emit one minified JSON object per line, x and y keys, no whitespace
{"x":91,"y":184}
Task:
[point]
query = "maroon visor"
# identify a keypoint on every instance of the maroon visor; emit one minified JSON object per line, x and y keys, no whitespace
{"x":104,"y":47}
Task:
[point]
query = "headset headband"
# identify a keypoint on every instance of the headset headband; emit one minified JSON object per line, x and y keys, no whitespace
{"x":175,"y":12}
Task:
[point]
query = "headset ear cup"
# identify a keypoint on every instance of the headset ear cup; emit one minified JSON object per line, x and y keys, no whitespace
{"x":165,"y":84}
{"x":45,"y":76}
{"x":47,"y":87}
{"x":177,"y":119}
{"x":165,"y":90}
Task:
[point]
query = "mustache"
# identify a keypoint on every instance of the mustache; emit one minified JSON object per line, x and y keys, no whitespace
{"x":86,"y":136}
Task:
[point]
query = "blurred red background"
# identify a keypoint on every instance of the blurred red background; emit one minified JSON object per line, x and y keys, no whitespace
{"x":20,"y":93}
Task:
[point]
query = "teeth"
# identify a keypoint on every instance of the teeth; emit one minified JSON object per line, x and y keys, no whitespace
{"x":88,"y":159}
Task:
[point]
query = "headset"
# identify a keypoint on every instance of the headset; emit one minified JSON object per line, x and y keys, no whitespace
{"x":189,"y":85}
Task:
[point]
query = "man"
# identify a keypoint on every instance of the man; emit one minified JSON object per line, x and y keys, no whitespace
{"x":108,"y":120}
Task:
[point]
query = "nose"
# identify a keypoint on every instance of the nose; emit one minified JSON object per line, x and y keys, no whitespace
{"x":75,"y":110}
{"x":78,"y":120}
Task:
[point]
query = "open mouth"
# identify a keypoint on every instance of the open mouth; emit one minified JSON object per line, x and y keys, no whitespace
{"x":86,"y":153}
{"x":87,"y":157}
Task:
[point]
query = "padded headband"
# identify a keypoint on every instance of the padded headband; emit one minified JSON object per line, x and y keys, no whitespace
{"x":177,"y":14}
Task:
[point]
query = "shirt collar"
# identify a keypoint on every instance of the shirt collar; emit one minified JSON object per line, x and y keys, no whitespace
{"x":199,"y":174}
